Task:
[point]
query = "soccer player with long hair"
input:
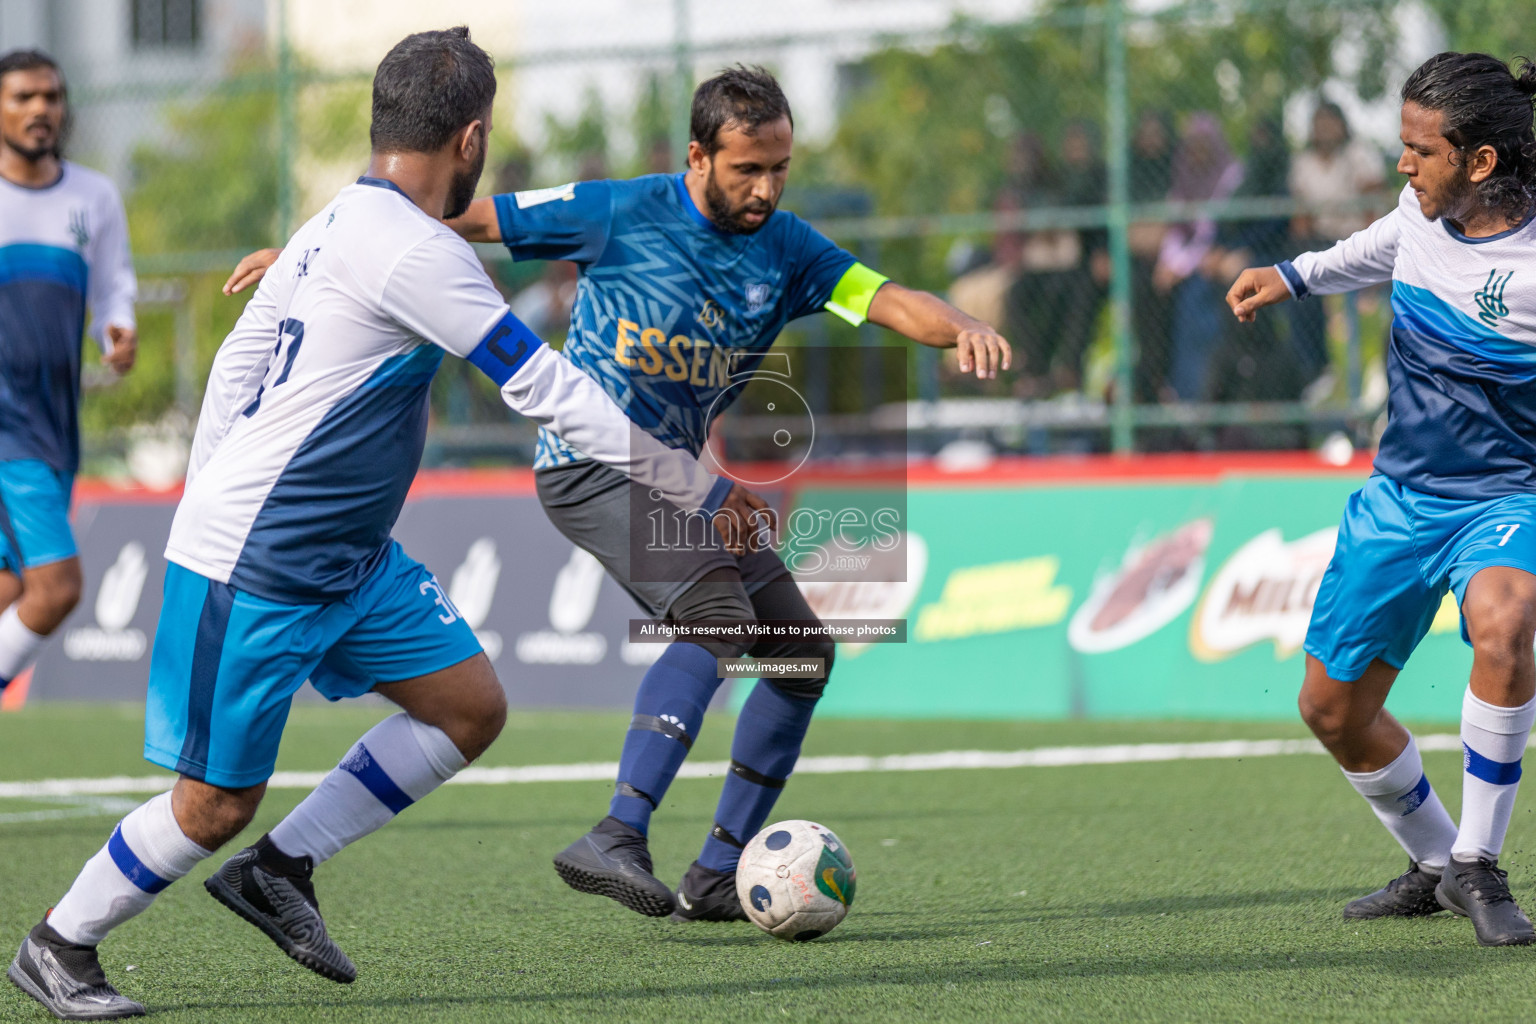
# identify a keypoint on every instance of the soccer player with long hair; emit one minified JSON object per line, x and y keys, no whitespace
{"x":1452,"y":503}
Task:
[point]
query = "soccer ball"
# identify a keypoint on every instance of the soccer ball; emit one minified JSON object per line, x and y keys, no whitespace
{"x":796,"y":880}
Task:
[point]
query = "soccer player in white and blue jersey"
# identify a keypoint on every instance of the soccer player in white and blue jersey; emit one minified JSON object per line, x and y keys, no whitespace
{"x":1452,"y":503}
{"x":63,"y":253}
{"x":282,"y":568}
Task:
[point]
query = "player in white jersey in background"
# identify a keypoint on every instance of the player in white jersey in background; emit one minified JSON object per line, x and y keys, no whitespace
{"x":281,"y":564}
{"x":1452,"y":504}
{"x":63,"y":251}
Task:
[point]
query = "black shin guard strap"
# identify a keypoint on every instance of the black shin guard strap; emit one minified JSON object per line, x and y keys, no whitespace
{"x":625,"y":789}
{"x":719,"y":832}
{"x":661,"y":725}
{"x":756,"y":777}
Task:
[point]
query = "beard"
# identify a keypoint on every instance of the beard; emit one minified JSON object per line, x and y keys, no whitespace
{"x":1460,"y":195}
{"x":461,"y":191}
{"x":729,"y":218}
{"x":32,"y":154}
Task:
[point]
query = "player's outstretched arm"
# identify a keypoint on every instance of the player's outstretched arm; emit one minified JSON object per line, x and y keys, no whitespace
{"x":251,"y":270}
{"x":929,"y":320}
{"x":554,"y":393}
{"x":1254,"y":289}
{"x":479,"y":223}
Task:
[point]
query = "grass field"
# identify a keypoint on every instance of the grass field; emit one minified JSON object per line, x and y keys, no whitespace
{"x":1190,"y":890}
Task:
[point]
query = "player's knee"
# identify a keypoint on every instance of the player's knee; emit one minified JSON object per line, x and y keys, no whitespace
{"x":211,"y":815}
{"x":481,"y":719}
{"x":718,"y":596}
{"x":51,"y":593}
{"x":810,"y":688}
{"x":1328,"y":719}
{"x":1501,"y":623}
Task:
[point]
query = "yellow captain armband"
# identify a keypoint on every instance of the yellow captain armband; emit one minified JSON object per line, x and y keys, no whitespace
{"x":854,"y":292}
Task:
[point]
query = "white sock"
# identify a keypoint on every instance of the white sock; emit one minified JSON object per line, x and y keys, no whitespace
{"x":1492,"y":742}
{"x":396,"y":763}
{"x":18,"y":645}
{"x":147,"y":852}
{"x":1403,"y":799}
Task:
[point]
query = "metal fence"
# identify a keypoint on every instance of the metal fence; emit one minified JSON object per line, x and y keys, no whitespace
{"x":1090,"y":179}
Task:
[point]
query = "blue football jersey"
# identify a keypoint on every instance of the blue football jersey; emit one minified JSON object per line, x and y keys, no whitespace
{"x":669,"y":307}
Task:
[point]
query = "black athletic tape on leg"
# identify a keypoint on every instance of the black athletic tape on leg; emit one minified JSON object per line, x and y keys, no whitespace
{"x":625,"y":789}
{"x":756,"y":777}
{"x":661,"y":725}
{"x":718,"y":832}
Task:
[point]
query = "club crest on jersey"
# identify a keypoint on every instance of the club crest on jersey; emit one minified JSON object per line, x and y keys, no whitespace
{"x":1491,"y":298}
{"x":711,"y":316}
{"x":79,"y":227}
{"x":757,"y":297}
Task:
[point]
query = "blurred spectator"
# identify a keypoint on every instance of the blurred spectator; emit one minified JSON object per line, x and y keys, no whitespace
{"x":658,"y":156}
{"x":592,"y":165}
{"x":515,"y":173}
{"x":1204,"y":170}
{"x":1255,"y":362}
{"x":1328,"y":178}
{"x":545,"y":305}
{"x":1049,"y":305}
{"x":991,"y":291}
{"x":1085,"y":183}
{"x":1150,"y":172}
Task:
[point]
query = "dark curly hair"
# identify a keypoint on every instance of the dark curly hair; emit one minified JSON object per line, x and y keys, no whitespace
{"x":738,"y":97}
{"x":1484,"y":103}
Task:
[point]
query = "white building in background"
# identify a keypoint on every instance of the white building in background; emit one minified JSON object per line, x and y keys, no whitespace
{"x":125,"y":58}
{"x":804,"y":41}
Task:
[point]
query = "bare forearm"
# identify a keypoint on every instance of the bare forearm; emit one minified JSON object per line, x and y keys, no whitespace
{"x":921,"y":316}
{"x":479,"y":223}
{"x":929,"y":320}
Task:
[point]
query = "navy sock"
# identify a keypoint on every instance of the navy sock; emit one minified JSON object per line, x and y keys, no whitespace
{"x":765,"y":748}
{"x":668,"y":712}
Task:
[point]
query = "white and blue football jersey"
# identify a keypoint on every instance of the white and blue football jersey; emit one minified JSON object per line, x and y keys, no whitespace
{"x":1461,"y":362}
{"x":63,"y":251}
{"x":315,"y":415}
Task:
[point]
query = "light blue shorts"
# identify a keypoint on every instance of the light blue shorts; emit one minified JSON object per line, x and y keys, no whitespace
{"x":1399,"y":551}
{"x":226,"y":664}
{"x":34,"y":514}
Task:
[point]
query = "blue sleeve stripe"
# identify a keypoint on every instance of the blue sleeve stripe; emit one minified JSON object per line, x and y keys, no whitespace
{"x":1497,"y":773}
{"x":717,"y":493}
{"x":505,"y":348}
{"x":1292,"y":278}
{"x":129,"y":864}
{"x":361,"y":764}
{"x":506,"y":204}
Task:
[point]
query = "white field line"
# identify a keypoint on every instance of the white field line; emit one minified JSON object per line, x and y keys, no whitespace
{"x":603,"y":771}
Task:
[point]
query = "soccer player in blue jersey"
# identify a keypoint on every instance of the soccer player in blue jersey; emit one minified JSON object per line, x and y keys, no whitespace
{"x":1452,"y":503}
{"x":680,"y":274}
{"x":282,"y":568}
{"x":63,"y":252}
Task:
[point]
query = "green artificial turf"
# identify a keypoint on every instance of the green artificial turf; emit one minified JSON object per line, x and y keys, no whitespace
{"x":1193,"y":890}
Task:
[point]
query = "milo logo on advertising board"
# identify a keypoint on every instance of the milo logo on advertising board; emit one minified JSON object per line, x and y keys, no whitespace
{"x":1263,"y":592}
